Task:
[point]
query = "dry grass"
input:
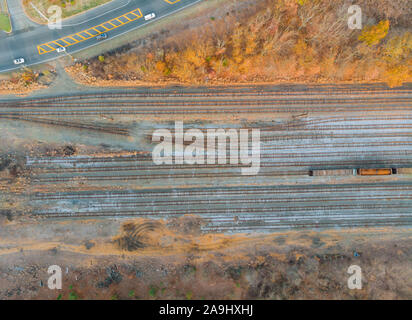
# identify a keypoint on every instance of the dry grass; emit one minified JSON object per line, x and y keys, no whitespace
{"x":69,"y":7}
{"x":26,"y":81}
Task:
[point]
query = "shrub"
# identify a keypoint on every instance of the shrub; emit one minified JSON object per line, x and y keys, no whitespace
{"x":372,"y":35}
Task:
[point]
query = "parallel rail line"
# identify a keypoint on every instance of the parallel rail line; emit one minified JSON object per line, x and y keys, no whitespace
{"x":236,"y":211}
{"x":221,"y":103}
{"x":238,"y":191}
{"x":61,"y":123}
{"x":131,"y":204}
{"x":239,"y":90}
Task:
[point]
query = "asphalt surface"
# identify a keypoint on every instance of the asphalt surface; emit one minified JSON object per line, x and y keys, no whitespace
{"x":26,"y":36}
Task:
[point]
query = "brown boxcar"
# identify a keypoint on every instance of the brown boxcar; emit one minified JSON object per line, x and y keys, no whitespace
{"x":376,"y":172}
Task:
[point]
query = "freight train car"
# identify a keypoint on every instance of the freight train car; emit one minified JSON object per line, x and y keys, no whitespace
{"x":376,"y":172}
{"x":354,"y":172}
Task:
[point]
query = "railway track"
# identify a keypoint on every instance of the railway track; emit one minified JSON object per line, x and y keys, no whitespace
{"x":198,"y":175}
{"x":46,"y":170}
{"x":168,"y":101}
{"x":71,"y":125}
{"x":333,"y":135}
{"x":245,"y":90}
{"x":302,"y":128}
{"x":239,"y":191}
{"x":252,"y":219}
{"x":239,"y":210}
{"x":251,"y":201}
{"x":179,"y":101}
{"x":237,"y":107}
{"x":267,"y":156}
{"x":244,"y":209}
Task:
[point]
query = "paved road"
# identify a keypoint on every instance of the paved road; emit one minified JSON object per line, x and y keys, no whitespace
{"x":27,"y":36}
{"x":20,"y":22}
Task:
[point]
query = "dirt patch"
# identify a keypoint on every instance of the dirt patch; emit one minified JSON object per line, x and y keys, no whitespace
{"x":181,"y":235}
{"x":259,"y":268}
{"x":11,"y":166}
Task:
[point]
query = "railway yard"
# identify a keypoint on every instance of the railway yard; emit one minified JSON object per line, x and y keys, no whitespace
{"x":79,"y":188}
{"x":105,"y":167}
{"x":206,"y":150}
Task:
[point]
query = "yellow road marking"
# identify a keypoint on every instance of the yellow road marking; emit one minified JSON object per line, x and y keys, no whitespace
{"x":71,"y":37}
{"x":133,"y":16}
{"x":46,"y":47}
{"x":59,"y":44}
{"x":50,"y":46}
{"x":172,"y":2}
{"x":64,"y":40}
{"x":79,"y":35}
{"x":90,"y":35}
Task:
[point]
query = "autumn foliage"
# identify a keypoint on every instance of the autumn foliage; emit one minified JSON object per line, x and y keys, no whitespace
{"x":280,"y":40}
{"x":372,"y":35}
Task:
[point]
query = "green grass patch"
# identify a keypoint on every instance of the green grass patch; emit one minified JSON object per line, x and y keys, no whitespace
{"x":5,"y":22}
{"x":152,"y":291}
{"x":114,"y":297}
{"x":73,"y":295}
